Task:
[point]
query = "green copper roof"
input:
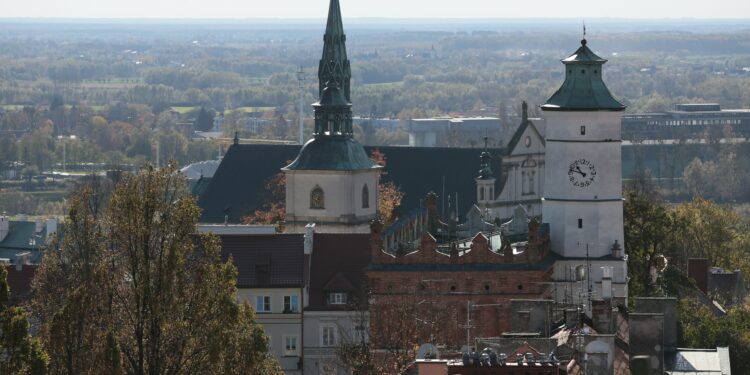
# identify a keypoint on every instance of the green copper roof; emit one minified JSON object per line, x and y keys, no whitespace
{"x":336,"y":153}
{"x":583,"y":89}
{"x":334,"y":64}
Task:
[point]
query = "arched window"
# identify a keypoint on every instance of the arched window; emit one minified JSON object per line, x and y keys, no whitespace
{"x":481,"y":193}
{"x":317,"y":198}
{"x":365,"y":197}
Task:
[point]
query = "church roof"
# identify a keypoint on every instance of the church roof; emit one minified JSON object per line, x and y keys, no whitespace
{"x":332,"y":153}
{"x":525,"y":123}
{"x":583,"y":88}
{"x":238,"y":185}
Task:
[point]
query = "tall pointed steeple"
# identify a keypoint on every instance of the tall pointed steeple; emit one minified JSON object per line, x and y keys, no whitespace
{"x":334,"y":64}
{"x":333,"y":146}
{"x":333,"y":113}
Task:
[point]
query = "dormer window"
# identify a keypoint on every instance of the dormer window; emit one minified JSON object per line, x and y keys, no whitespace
{"x":337,"y":298}
{"x":317,"y":199}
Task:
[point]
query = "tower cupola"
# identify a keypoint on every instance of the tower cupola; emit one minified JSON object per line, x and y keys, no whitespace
{"x":583,"y":88}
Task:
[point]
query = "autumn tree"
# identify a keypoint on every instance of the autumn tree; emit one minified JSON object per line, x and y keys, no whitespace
{"x":399,"y":321}
{"x":389,"y":195}
{"x":156,"y":298}
{"x":273,"y":197}
{"x":19,"y":353}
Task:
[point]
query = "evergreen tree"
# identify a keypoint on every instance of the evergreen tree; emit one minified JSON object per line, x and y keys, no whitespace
{"x":205,"y":120}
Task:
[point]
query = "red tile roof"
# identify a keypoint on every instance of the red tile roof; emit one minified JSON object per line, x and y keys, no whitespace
{"x":338,"y":259}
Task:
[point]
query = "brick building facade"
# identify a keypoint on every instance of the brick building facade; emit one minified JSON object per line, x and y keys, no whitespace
{"x":475,"y":275}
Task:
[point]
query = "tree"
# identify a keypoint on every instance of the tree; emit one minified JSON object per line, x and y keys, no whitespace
{"x":649,"y":230}
{"x":389,"y":195}
{"x":205,"y":120}
{"x":162,"y":301}
{"x":19,"y":353}
{"x":273,"y":197}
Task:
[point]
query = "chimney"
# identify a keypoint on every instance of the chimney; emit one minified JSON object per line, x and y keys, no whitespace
{"x":4,"y":227}
{"x":617,"y":250}
{"x":51,"y":226}
{"x":22,"y":259}
{"x":606,"y":282}
{"x":309,"y":232}
{"x":39,"y":226}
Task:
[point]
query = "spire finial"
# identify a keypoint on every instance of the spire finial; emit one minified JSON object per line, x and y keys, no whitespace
{"x":583,"y":41}
{"x":486,"y":138}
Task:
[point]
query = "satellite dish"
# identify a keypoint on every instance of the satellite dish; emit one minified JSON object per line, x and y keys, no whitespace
{"x":428,"y":351}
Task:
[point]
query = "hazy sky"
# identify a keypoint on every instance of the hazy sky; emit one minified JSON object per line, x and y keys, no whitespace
{"x":578,"y":9}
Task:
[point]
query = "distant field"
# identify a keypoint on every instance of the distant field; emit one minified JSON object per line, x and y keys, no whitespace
{"x":185,"y":110}
{"x":385,"y":84}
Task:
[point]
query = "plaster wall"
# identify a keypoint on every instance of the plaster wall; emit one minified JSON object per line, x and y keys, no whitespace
{"x":601,"y":225}
{"x":342,"y":197}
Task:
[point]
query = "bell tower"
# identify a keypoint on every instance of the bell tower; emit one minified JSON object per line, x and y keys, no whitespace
{"x":582,"y":200}
{"x":332,"y":183}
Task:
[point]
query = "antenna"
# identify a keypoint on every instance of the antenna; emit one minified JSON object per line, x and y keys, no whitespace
{"x":300,"y":114}
{"x":584,"y":29}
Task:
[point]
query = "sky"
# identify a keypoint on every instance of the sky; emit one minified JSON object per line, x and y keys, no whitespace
{"x":316,"y":9}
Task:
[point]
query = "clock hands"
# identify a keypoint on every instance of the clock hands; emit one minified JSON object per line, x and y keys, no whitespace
{"x":577,"y":170}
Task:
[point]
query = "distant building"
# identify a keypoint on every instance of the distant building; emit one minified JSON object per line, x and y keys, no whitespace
{"x":21,"y":243}
{"x":456,"y":132}
{"x":686,"y":121}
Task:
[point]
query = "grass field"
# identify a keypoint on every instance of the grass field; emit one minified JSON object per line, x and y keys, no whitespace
{"x":185,"y":110}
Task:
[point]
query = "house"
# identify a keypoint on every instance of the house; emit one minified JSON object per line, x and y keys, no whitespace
{"x":271,"y":279}
{"x":335,"y":313}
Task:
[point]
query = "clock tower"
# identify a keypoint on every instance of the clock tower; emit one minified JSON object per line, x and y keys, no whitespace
{"x":583,"y":201}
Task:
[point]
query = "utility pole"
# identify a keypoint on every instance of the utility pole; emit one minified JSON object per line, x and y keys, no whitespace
{"x":300,"y":115}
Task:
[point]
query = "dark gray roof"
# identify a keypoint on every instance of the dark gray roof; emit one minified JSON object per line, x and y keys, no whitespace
{"x":238,"y":182}
{"x":332,"y":153}
{"x":22,"y":237}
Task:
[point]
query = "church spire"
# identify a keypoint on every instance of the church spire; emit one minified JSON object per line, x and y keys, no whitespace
{"x":333,"y":113}
{"x":334,"y":64}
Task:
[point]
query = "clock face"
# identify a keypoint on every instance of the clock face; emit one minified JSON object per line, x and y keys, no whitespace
{"x":581,"y":173}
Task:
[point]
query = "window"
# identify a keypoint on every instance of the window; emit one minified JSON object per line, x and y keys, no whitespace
{"x":583,"y":130}
{"x":327,"y":335}
{"x":531,"y":182}
{"x":317,"y":199}
{"x":291,"y":304}
{"x":580,"y":223}
{"x":481,"y":193}
{"x":290,"y":346}
{"x":337,"y":298}
{"x":263,"y":303}
{"x":365,"y":197}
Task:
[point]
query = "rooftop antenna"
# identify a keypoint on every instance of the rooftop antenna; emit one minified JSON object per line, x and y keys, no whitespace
{"x":584,"y":33}
{"x":300,"y":114}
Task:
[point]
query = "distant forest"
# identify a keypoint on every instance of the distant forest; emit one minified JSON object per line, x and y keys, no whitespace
{"x":396,"y":70}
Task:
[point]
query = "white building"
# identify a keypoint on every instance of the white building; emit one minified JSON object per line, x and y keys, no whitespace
{"x":582,"y":200}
